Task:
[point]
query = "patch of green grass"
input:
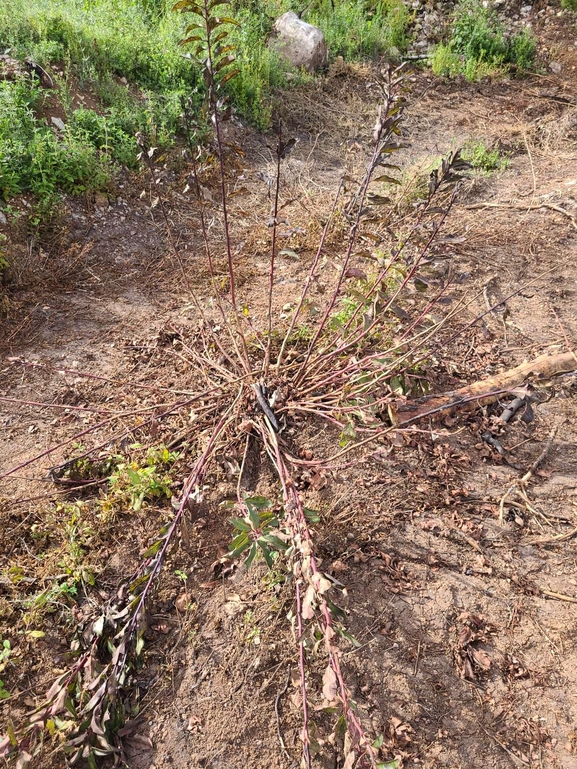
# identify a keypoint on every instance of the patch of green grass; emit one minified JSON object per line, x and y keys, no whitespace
{"x":569,"y":5}
{"x":104,"y":45}
{"x":483,"y":158}
{"x":133,"y":483}
{"x":260,"y":69}
{"x":445,"y":62}
{"x":119,"y":37}
{"x":104,"y":41}
{"x":36,"y":158}
{"x":477,"y":45}
{"x":354,"y":31}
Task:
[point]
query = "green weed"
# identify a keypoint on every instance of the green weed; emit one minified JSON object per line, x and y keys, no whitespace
{"x":105,"y":134}
{"x":522,"y":49}
{"x":354,"y":31}
{"x":75,"y":573}
{"x":5,"y":652}
{"x":35,"y":158}
{"x":4,"y":261}
{"x":445,"y":62}
{"x":258,"y":531}
{"x":132,"y":483}
{"x":483,"y":158}
{"x":569,"y":5}
{"x":251,"y":628}
{"x":477,"y":45}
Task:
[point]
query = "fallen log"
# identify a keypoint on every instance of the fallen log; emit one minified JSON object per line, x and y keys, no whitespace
{"x":483,"y":392}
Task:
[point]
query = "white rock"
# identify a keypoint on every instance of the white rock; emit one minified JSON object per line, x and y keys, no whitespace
{"x":3,"y":219}
{"x":58,"y":123}
{"x":555,"y":67}
{"x":301,"y":44}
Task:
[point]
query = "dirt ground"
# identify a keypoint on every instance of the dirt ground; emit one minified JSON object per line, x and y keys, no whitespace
{"x":466,"y":625}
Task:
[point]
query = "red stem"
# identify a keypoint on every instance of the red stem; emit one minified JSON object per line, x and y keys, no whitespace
{"x":306,"y":734}
{"x":272,"y":256}
{"x":310,"y":276}
{"x":296,"y":520}
{"x":323,"y":360}
{"x":91,"y":430}
{"x":86,"y":375}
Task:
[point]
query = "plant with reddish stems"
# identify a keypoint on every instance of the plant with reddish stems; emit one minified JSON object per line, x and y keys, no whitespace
{"x":258,"y":382}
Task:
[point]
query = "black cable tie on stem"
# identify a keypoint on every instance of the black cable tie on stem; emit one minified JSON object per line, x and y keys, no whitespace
{"x":266,"y":409}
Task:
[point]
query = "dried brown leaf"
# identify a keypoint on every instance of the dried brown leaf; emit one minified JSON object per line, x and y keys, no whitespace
{"x":481,"y":658}
{"x":349,"y":760}
{"x":330,"y":686}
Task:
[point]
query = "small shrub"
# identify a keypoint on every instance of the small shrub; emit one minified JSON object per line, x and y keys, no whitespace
{"x":132,"y":483}
{"x":445,"y":62}
{"x":353,"y":31}
{"x":478,"y":46}
{"x":523,"y":49}
{"x":485,"y":159}
{"x":34,"y":158}
{"x":477,"y":32}
{"x":474,"y":69}
{"x":569,"y":5}
{"x":105,"y":134}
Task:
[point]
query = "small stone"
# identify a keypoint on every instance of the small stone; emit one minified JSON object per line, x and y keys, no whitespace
{"x":100,"y":200}
{"x":3,"y":220}
{"x":58,"y":123}
{"x":555,"y":67}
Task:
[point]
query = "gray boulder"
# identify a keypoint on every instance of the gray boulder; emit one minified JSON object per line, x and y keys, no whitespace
{"x":301,"y":44}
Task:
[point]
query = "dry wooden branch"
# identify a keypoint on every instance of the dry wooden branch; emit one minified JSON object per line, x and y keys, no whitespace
{"x":519,"y":485}
{"x":527,"y":209}
{"x":558,"y":596}
{"x":485,"y":391}
{"x":552,"y":540}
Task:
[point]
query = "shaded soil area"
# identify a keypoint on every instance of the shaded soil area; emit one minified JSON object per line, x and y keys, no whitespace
{"x":459,"y":581}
